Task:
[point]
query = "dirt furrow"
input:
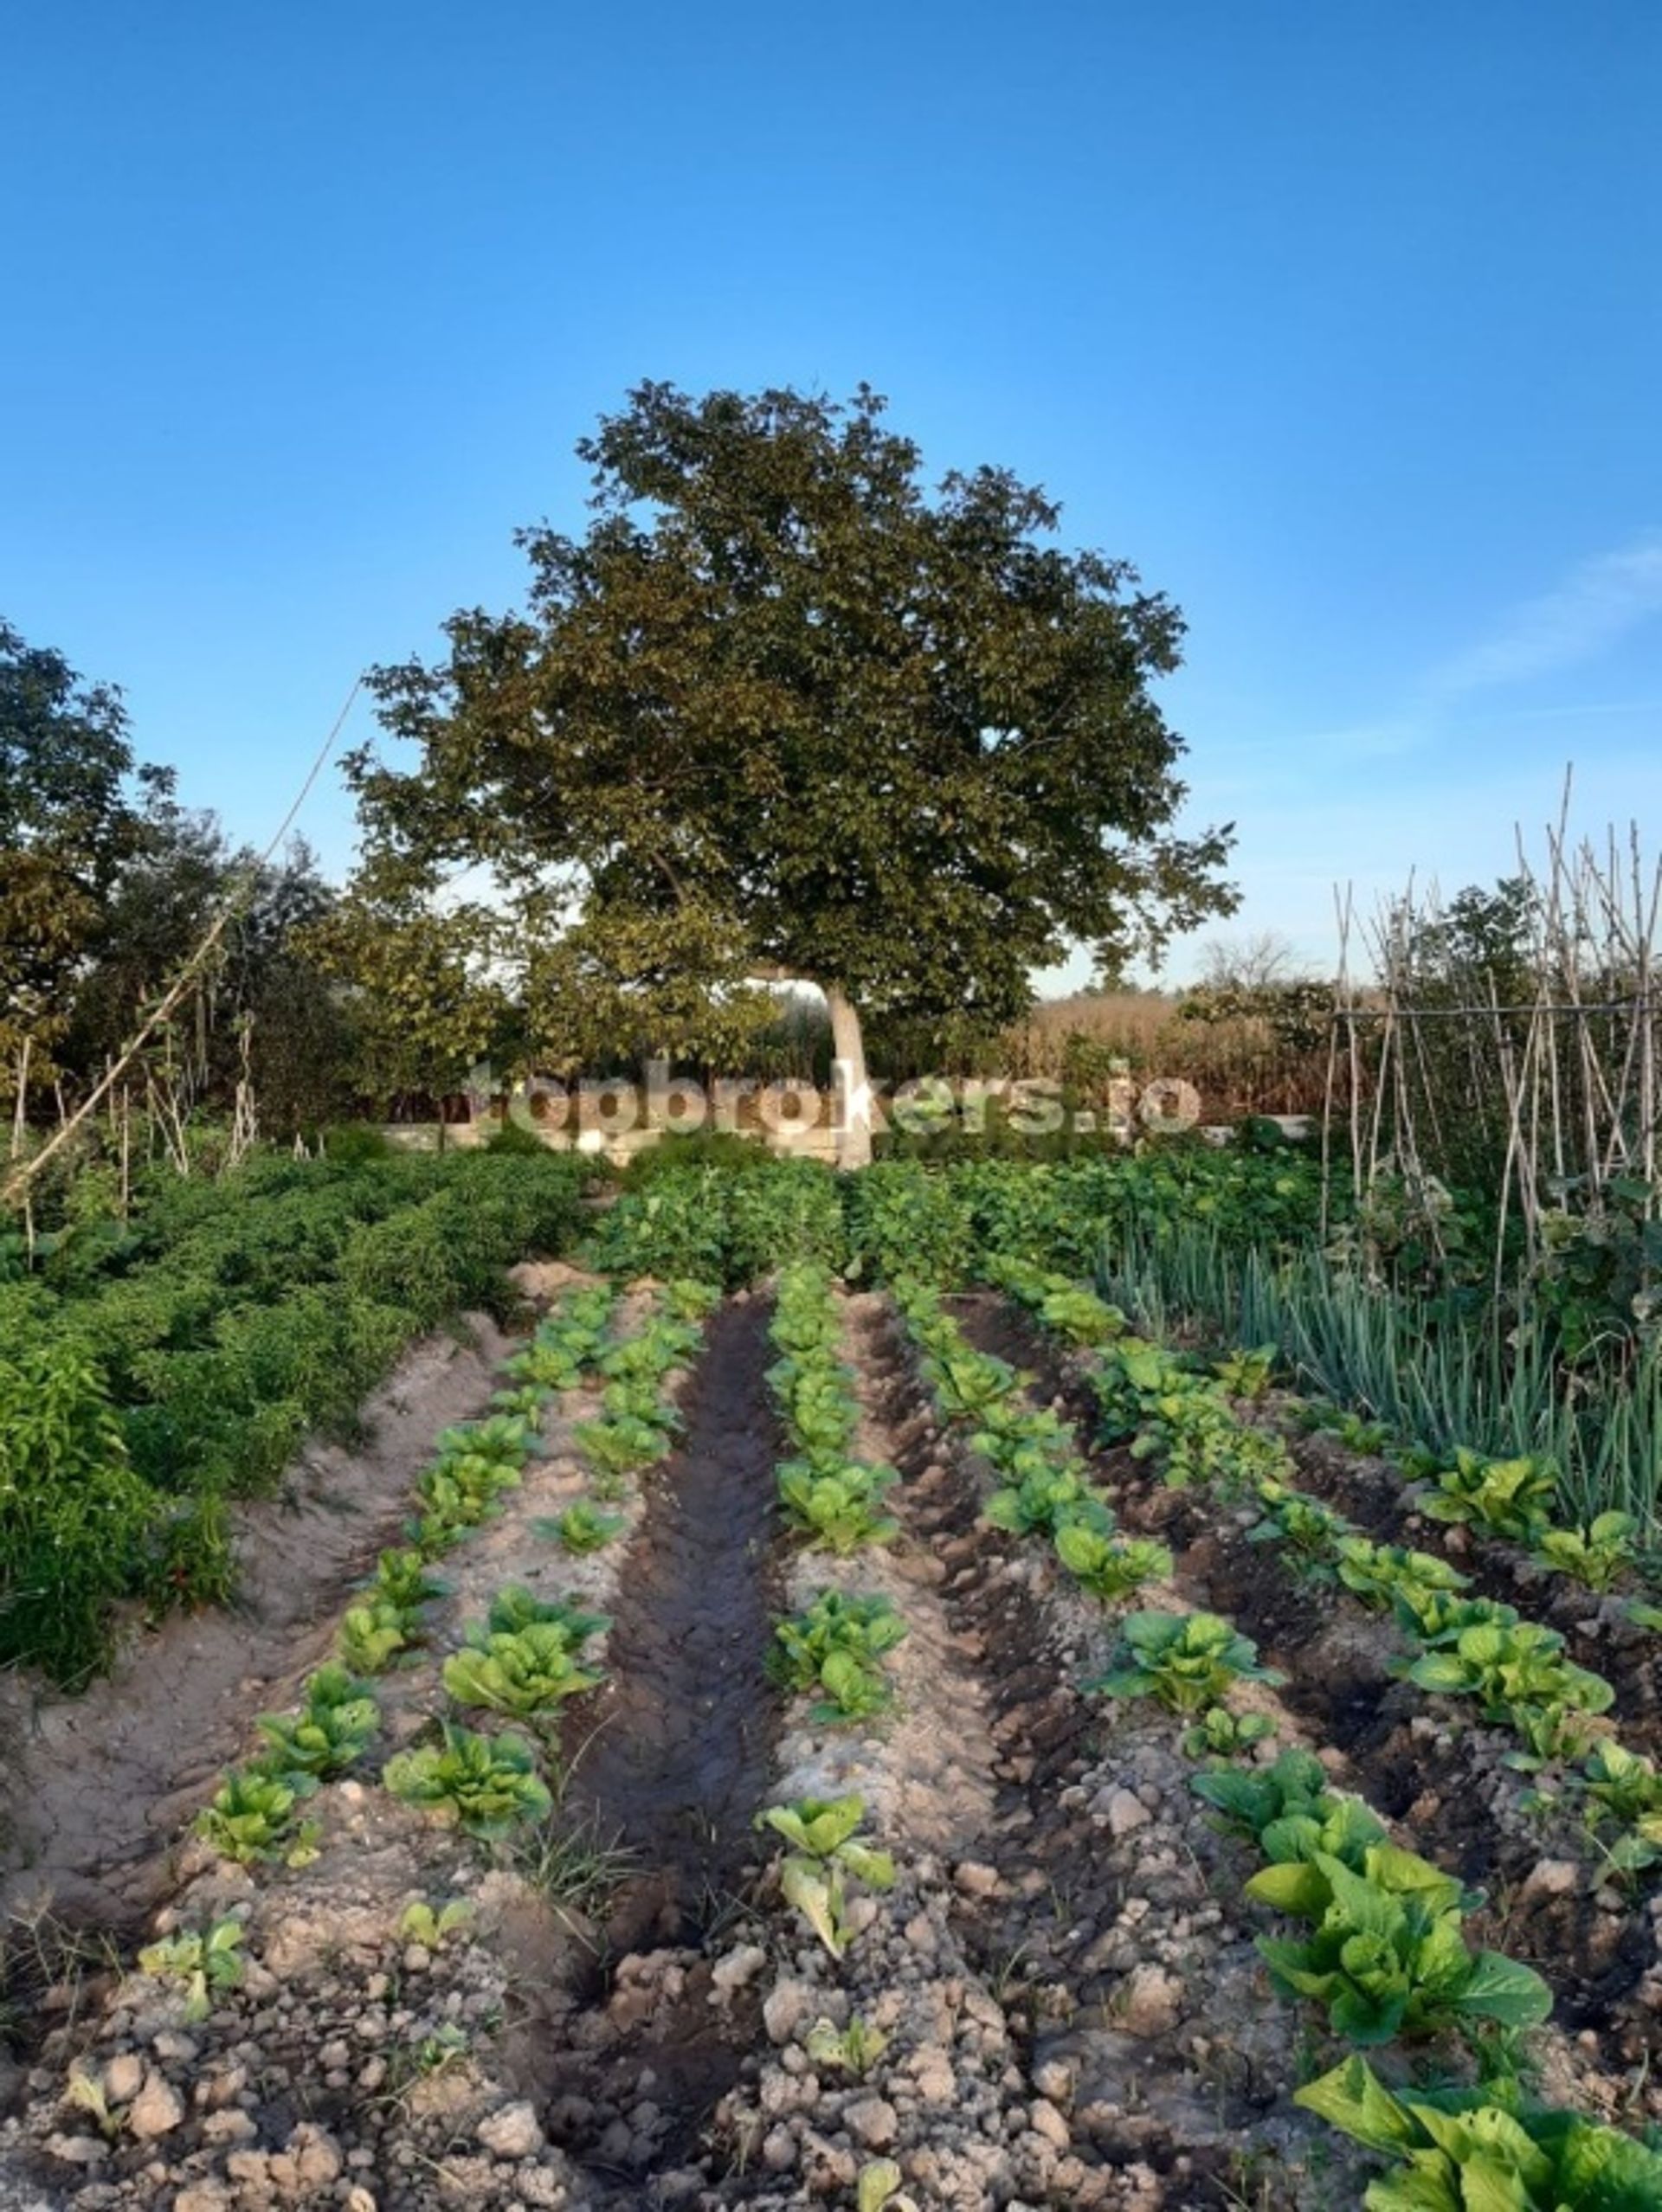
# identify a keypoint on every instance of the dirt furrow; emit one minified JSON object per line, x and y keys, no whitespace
{"x":667,"y":1765}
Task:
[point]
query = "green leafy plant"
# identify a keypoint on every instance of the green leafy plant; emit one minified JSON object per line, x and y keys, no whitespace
{"x":838,"y":1508}
{"x":332,"y":1729}
{"x":1507,"y":1497}
{"x":1624,"y":1786}
{"x":485,"y":1786}
{"x":837,"y":1645}
{"x":1379,"y":1574}
{"x":1307,"y":1530}
{"x":1220,"y":1734}
{"x":206,"y":1960}
{"x":1519,"y":1675}
{"x":854,"y":2049}
{"x":824,"y":1852}
{"x":1247,"y":1373}
{"x":581,"y":1529}
{"x":402,"y":1580}
{"x":421,"y":1923}
{"x":1110,"y":1567}
{"x":1045,"y":1498}
{"x":1294,"y":1788}
{"x":879,"y":2189}
{"x":1187,"y":1660}
{"x":524,"y":1672}
{"x":514,"y":1607}
{"x":620,"y":1445}
{"x":372,"y":1634}
{"x":254,"y":1816}
{"x":1483,"y":2150}
{"x":1385,"y":1953}
{"x":1596,"y":1555}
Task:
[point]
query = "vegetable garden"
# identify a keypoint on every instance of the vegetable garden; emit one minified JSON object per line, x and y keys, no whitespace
{"x":977,"y":1685}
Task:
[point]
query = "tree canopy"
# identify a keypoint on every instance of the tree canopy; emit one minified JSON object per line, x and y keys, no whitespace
{"x":782,"y":700}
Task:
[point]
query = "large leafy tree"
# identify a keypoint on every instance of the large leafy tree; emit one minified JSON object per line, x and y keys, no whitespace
{"x":784,"y":698}
{"x":72,"y":815}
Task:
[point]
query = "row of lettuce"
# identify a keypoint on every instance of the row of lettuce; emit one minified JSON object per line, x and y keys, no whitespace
{"x":1378,"y":1937}
{"x":529,"y":1654}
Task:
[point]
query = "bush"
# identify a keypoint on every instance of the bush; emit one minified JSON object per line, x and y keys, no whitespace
{"x":76,"y":1522}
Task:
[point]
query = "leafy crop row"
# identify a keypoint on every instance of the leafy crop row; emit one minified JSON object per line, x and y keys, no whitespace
{"x":833,"y":1499}
{"x":138,"y":1395}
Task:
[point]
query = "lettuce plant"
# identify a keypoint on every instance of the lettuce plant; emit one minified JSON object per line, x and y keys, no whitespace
{"x":1220,"y":1734}
{"x":580,"y":1528}
{"x":419,"y":1923}
{"x":620,"y":1445}
{"x":1519,"y":1675}
{"x":1289,"y":1807}
{"x":515,"y":1607}
{"x":524,"y":1673}
{"x":1594,"y":1556}
{"x":1247,"y":1373}
{"x":402,"y":1580}
{"x":854,"y":2049}
{"x":1187,"y":1660}
{"x":1378,"y":1572}
{"x":837,"y":1646}
{"x":1506,"y":1497}
{"x":838,"y":1508}
{"x":1624,"y":1786}
{"x":484,"y":1785}
{"x":1110,"y":1567}
{"x":206,"y":1960}
{"x":824,"y":1852}
{"x":332,"y":1731}
{"x":1307,"y":1530}
{"x":1483,"y":2150}
{"x":372,"y":1635}
{"x":254,"y":1816}
{"x":1385,"y":1953}
{"x":1044,"y":1498}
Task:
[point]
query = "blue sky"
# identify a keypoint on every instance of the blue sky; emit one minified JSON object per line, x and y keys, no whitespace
{"x":1345,"y":323}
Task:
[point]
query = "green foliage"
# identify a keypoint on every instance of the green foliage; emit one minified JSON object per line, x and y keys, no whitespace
{"x":854,"y":2049}
{"x":1379,"y":1574}
{"x":1483,"y":2150}
{"x":1110,"y":1567}
{"x":1624,"y":1786}
{"x":1061,"y":1307}
{"x":837,"y":1646}
{"x":1505,"y":1497}
{"x":254,"y":1816}
{"x":580,"y":1528}
{"x":1047,"y":1500}
{"x":836,"y":1504}
{"x":373,"y":1634}
{"x":1385,"y":1953}
{"x":1188,"y":1660}
{"x":833,"y":1499}
{"x":184,"y":1369}
{"x":1519,"y":1675}
{"x":1595,"y":1556}
{"x":75,"y":1520}
{"x":824,"y":1854}
{"x":1247,"y":1374}
{"x":330,"y":1733}
{"x":485,"y":1786}
{"x":1308,"y":1531}
{"x":206,"y":1960}
{"x":907,"y":1225}
{"x":524,"y":1671}
{"x":1220,"y":1734}
{"x":421,"y":1923}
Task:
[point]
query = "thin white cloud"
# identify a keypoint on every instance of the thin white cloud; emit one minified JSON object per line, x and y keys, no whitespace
{"x":1594,"y":607}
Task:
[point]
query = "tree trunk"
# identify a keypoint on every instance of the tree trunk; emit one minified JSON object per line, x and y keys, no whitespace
{"x":853,"y":1094}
